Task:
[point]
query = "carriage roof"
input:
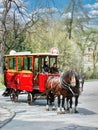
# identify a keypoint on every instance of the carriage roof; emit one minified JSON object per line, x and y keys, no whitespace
{"x":31,"y":54}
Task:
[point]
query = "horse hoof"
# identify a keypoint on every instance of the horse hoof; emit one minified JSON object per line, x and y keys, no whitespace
{"x":67,"y":109}
{"x":70,"y":111}
{"x":76,"y":111}
{"x":47,"y":109}
{"x":63,"y":112}
{"x":53,"y":109}
{"x":59,"y":112}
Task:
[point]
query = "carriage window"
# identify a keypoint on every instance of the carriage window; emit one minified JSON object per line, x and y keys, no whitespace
{"x":24,"y":63}
{"x":52,"y":61}
{"x":42,"y":62}
{"x":12,"y":63}
{"x":27,"y":63}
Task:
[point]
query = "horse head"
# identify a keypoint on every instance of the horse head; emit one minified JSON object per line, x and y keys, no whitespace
{"x":69,"y":78}
{"x":72,"y":78}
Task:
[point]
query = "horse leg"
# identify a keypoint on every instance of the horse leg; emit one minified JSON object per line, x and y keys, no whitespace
{"x":47,"y":106}
{"x":67,"y":103}
{"x":63,"y":107}
{"x":58,"y":109}
{"x":76,"y":104}
{"x":53,"y":104}
{"x":70,"y":108}
{"x":52,"y":98}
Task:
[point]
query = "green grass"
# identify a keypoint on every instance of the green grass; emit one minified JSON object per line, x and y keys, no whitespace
{"x":2,"y":85}
{"x":1,"y":82}
{"x":91,"y":80}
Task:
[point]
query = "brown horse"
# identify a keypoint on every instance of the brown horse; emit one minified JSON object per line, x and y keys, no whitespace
{"x":57,"y":86}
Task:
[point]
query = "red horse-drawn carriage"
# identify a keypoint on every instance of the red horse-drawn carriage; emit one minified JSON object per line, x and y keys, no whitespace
{"x":23,"y":73}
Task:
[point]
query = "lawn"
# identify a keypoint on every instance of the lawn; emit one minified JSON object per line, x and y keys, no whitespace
{"x":1,"y":82}
{"x":2,"y":85}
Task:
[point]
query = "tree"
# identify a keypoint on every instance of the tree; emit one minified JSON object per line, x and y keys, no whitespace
{"x":94,"y":46}
{"x":13,"y":27}
{"x":75,"y":15}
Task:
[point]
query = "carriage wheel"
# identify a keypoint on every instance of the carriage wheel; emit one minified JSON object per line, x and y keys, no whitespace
{"x":13,"y":96}
{"x":30,"y":99}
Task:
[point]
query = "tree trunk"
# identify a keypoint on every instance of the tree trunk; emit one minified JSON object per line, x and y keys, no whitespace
{"x":7,"y":6}
{"x":71,"y":20}
{"x":2,"y":56}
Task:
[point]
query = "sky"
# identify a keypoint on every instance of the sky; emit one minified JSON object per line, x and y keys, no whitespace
{"x":55,"y":5}
{"x":91,"y":5}
{"x":61,"y":4}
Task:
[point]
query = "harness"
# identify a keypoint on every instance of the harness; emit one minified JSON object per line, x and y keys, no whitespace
{"x":66,"y":85}
{"x":63,"y":84}
{"x":49,"y":89}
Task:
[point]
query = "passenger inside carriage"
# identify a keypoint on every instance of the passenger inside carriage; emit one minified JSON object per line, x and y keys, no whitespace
{"x":54,"y":69}
{"x":46,"y":68}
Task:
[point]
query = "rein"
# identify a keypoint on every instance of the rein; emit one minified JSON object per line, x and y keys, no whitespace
{"x":68,"y":86}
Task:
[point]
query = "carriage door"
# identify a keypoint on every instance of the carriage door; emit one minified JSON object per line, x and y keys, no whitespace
{"x":25,"y":75}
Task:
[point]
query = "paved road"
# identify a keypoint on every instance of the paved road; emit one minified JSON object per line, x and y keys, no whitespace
{"x":35,"y":117}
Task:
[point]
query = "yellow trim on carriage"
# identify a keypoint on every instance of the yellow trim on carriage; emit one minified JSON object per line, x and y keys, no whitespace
{"x":19,"y":71}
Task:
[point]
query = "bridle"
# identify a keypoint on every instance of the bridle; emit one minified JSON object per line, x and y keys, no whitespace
{"x":65,"y":85}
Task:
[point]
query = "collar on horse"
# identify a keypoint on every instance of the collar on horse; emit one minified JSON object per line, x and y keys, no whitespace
{"x":65,"y":85}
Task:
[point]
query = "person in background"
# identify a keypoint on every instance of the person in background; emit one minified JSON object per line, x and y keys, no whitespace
{"x":46,"y":68}
{"x":54,"y":69}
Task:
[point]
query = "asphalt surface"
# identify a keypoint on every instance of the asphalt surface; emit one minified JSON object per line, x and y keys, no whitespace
{"x":35,"y":117}
{"x":6,"y":115}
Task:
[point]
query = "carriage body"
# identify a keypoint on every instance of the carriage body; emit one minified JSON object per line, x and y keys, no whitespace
{"x":23,"y":71}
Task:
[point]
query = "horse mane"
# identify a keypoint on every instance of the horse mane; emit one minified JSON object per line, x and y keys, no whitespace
{"x":67,"y":73}
{"x":65,"y":76}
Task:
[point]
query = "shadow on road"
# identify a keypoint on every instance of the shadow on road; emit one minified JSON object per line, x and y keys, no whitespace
{"x":76,"y":127}
{"x":85,"y":111}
